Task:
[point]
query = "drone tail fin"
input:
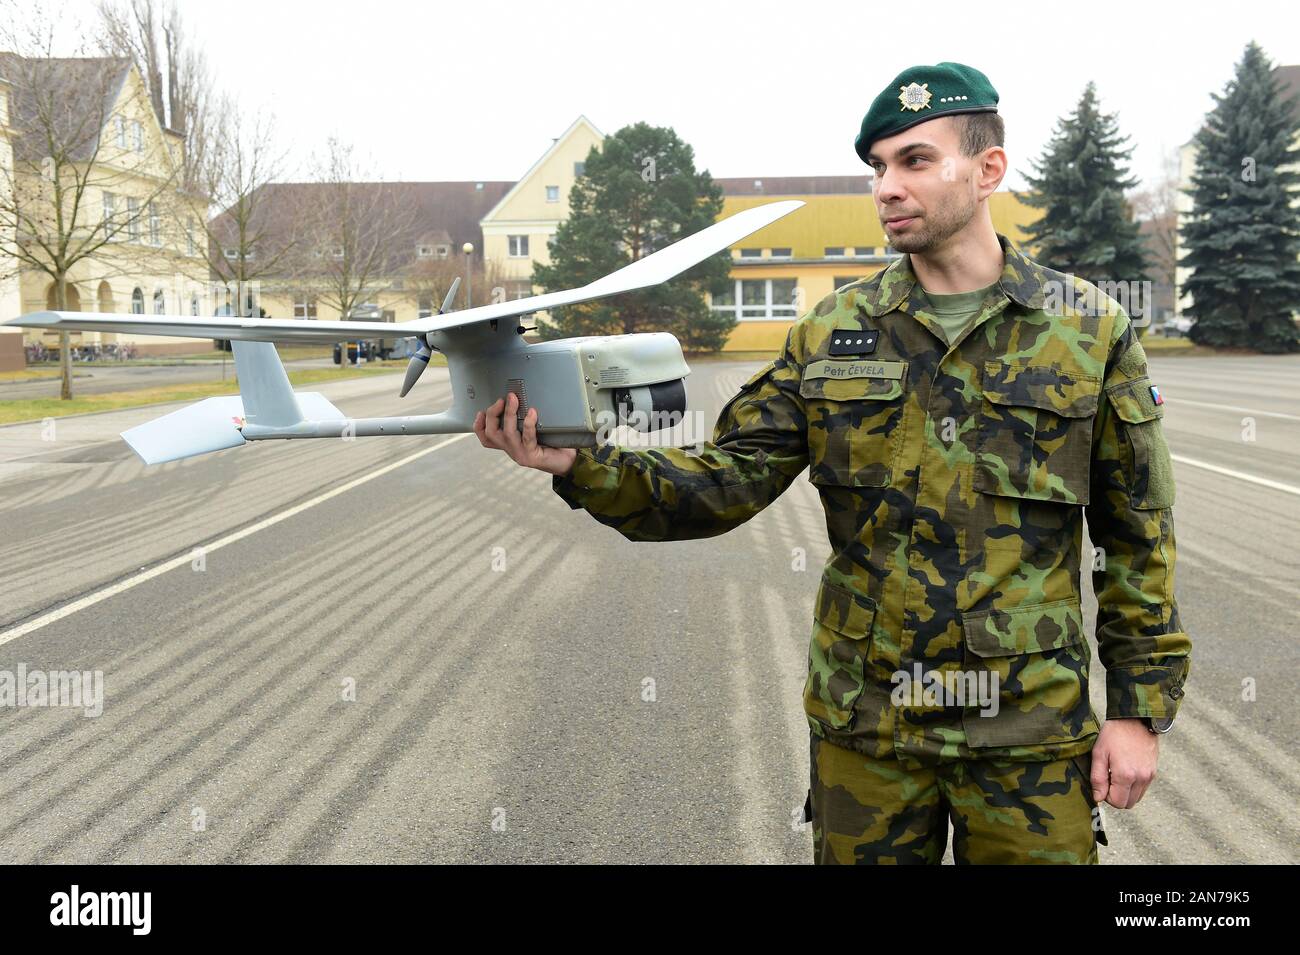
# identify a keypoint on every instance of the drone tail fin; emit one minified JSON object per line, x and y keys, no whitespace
{"x":265,"y":398}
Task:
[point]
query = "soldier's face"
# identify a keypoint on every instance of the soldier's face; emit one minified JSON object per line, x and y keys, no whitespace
{"x":923,"y":185}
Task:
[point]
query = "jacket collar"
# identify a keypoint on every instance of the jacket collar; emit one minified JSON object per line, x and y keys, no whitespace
{"x":1022,"y":281}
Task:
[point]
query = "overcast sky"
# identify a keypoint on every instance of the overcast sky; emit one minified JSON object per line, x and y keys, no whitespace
{"x":477,"y":90}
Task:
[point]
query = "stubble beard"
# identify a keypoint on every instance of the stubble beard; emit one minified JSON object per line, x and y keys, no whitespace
{"x":937,"y":226}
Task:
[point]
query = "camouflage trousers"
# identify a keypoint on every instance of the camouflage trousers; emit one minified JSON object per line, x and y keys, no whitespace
{"x":869,"y":811}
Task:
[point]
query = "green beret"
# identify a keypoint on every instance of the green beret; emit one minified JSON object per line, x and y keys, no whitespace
{"x":920,"y":93}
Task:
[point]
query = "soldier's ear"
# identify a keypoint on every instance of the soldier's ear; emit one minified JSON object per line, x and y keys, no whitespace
{"x":990,"y":169}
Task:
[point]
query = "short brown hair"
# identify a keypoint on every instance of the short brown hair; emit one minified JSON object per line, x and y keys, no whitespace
{"x":979,"y":131}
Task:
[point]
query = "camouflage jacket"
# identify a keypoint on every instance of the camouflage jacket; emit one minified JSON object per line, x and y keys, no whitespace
{"x":955,"y":481}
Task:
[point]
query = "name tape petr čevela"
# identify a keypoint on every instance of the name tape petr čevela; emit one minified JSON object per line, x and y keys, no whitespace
{"x":832,"y":368}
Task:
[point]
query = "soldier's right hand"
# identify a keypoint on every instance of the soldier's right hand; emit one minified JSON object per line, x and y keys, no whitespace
{"x":496,"y":431}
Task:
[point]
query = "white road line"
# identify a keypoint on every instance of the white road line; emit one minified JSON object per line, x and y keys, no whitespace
{"x":1213,"y":404}
{"x":159,"y":569}
{"x":1239,"y":475}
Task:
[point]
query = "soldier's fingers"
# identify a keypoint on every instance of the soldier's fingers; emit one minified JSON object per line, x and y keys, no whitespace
{"x":1142,"y":784}
{"x":1100,"y":773}
{"x":480,"y":429}
{"x":509,"y":427}
{"x":1121,"y":790}
{"x":530,"y":432}
{"x":490,"y":427}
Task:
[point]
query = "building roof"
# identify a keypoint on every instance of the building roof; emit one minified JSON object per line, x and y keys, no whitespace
{"x":449,"y":210}
{"x":796,"y":186}
{"x":82,"y":90}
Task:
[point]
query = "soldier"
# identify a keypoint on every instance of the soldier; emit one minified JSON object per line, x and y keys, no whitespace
{"x":960,"y":413}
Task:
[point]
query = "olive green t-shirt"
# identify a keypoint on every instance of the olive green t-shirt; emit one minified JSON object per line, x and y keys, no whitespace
{"x":954,"y":312}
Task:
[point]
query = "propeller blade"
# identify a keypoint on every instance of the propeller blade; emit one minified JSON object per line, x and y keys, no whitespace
{"x":419,"y":362}
{"x":451,"y":295}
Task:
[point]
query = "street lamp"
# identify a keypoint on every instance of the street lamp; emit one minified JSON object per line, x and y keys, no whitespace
{"x":468,"y":249}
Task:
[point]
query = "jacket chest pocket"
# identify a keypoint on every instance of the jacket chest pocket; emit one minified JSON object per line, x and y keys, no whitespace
{"x":855,"y":428}
{"x":1034,"y":437}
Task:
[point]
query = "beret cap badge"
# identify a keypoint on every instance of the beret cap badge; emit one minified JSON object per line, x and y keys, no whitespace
{"x":914,"y":96}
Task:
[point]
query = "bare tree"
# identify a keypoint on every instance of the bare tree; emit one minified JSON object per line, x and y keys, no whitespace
{"x":258,"y":229}
{"x":1156,"y":208}
{"x":79,"y":189}
{"x":357,"y":236}
{"x":175,"y":71}
{"x":425,"y":281}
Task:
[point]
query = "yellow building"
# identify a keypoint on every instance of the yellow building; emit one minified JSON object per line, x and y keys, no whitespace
{"x":123,"y":172}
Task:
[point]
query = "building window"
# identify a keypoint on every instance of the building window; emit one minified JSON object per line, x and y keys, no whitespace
{"x":191,"y":247}
{"x":137,"y":302}
{"x":782,"y":253}
{"x":760,"y":300}
{"x":424,"y":251}
{"x":751,"y":253}
{"x":834,"y":251}
{"x":159,"y":302}
{"x":478,"y":187}
{"x":304,"y":307}
{"x":230,"y":254}
{"x":133,"y":218}
{"x":518,"y":246}
{"x":579,"y":169}
{"x":155,"y":225}
{"x":110,"y":208}
{"x":338,"y":252}
{"x":119,"y":128}
{"x":552,"y":193}
{"x":424,"y":308}
{"x":194,"y":303}
{"x":137,"y":135}
{"x":443,"y":251}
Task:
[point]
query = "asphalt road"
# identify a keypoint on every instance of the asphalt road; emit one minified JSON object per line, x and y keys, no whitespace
{"x":529,"y":686}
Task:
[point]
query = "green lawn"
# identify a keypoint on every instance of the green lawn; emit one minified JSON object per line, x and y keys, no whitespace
{"x":37,"y":409}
